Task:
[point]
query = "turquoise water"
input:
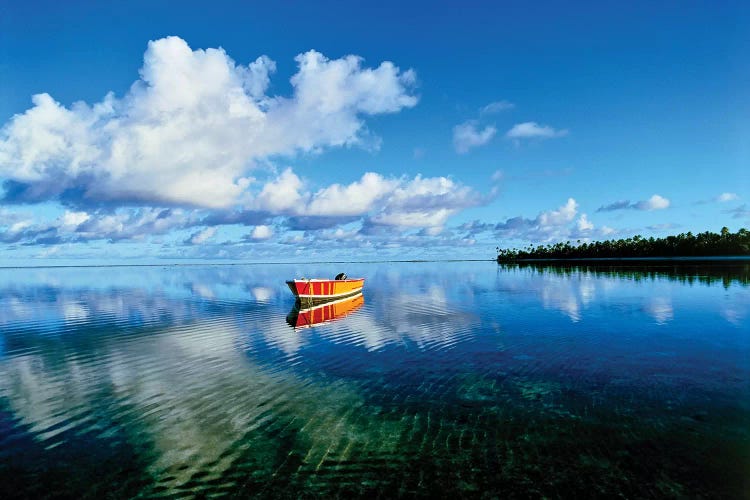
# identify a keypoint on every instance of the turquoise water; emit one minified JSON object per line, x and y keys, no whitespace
{"x":453,"y":379}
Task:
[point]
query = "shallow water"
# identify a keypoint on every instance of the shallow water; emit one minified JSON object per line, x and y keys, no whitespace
{"x":452,"y":379}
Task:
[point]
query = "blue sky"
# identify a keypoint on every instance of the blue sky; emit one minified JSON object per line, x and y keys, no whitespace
{"x":316,"y":131}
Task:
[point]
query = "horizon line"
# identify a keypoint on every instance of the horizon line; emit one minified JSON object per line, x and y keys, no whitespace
{"x":178,"y":264}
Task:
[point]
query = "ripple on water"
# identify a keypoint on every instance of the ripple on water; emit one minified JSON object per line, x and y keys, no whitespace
{"x":189,"y":383}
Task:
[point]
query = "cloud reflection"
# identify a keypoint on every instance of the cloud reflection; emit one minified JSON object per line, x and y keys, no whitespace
{"x":191,"y":376}
{"x":216,"y":388}
{"x":660,"y":308}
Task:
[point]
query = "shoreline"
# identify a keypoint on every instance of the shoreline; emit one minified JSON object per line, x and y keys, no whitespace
{"x":572,"y":260}
{"x":595,"y":260}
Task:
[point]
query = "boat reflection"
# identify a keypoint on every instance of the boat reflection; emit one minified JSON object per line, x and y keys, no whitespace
{"x":305,"y":317}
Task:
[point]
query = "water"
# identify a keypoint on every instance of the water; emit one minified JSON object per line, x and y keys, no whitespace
{"x":451,"y":379}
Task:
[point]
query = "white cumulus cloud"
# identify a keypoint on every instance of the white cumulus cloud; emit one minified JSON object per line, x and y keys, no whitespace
{"x":424,"y":202}
{"x":354,"y":199}
{"x":656,"y":202}
{"x":73,"y":219}
{"x":192,"y":127}
{"x":562,"y":215}
{"x":416,"y":202}
{"x":550,"y":225}
{"x":584,"y":224}
{"x":282,"y":194}
{"x":261,"y":233}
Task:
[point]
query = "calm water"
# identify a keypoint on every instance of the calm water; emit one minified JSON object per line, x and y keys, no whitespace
{"x":452,"y":379}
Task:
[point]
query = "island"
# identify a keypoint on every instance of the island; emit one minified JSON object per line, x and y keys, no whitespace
{"x":724,"y":244}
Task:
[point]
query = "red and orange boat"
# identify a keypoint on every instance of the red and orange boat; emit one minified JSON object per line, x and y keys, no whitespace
{"x":318,"y":290}
{"x":330,"y":311}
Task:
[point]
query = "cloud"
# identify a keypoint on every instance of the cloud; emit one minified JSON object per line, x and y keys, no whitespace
{"x":425,"y":202}
{"x":724,"y":197}
{"x":120,"y":225}
{"x":417,"y":202}
{"x":496,"y":107}
{"x":282,"y":194}
{"x":261,"y":233}
{"x":414,"y":218}
{"x":467,"y":136}
{"x":381,"y":240}
{"x":562,"y":215}
{"x":532,"y":130}
{"x":202,"y":236}
{"x":19,"y":226}
{"x":8,"y":217}
{"x":191,"y":128}
{"x":312,"y":223}
{"x":241,"y":217}
{"x":618,"y":205}
{"x":741,"y":212}
{"x":470,"y":134}
{"x":134,"y":224}
{"x":656,"y":202}
{"x":475,"y":227}
{"x":583,"y":224}
{"x":431,"y":231}
{"x":563,"y":223}
{"x":402,"y":202}
{"x":334,"y":235}
{"x":354,"y":199}
{"x":547,"y":225}
{"x":74,"y":219}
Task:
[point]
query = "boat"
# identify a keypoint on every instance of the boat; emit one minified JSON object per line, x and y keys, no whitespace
{"x":307,"y":317}
{"x":317,"y":290}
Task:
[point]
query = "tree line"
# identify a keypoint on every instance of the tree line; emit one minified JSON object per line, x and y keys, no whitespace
{"x":706,"y":244}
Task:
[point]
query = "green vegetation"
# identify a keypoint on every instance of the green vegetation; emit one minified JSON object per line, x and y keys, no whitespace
{"x":705,"y":244}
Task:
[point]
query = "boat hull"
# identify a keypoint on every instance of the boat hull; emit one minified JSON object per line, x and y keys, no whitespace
{"x":317,"y":289}
{"x":300,"y":317}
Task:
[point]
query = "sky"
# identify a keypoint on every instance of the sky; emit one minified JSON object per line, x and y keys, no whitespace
{"x":316,"y":131}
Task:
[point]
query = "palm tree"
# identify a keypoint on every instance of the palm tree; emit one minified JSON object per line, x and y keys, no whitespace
{"x":684,"y":244}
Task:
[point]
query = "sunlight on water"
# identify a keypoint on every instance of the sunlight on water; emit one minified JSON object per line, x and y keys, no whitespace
{"x":457,"y":378}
